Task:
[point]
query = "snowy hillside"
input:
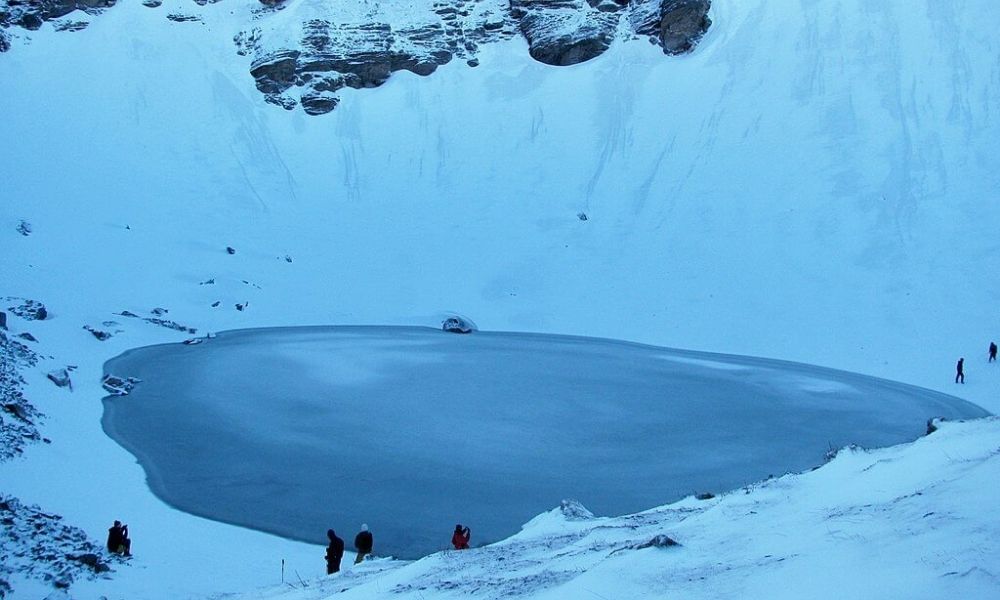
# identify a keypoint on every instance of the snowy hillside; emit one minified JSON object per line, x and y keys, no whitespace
{"x":815,"y":182}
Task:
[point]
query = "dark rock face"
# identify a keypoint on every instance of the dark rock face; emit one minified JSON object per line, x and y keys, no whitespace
{"x":678,"y":25}
{"x":97,"y":333}
{"x":41,"y":546}
{"x":119,"y":386}
{"x":31,"y":14}
{"x":332,"y":55}
{"x":60,"y":377}
{"x":456,"y":324}
{"x":24,"y":228}
{"x":3,"y":320}
{"x":359,"y":55}
{"x":31,"y":310}
{"x":565,"y":32}
{"x":18,"y":417}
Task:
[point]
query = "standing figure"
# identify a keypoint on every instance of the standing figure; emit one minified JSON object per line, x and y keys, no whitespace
{"x":960,"y":374}
{"x":363,"y":542}
{"x":460,"y":539}
{"x":993,"y":351}
{"x":334,"y":552}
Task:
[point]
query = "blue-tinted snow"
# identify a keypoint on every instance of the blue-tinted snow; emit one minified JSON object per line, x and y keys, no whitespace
{"x":411,"y":430}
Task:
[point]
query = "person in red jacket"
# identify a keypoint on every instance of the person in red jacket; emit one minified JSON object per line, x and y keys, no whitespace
{"x":460,"y":539}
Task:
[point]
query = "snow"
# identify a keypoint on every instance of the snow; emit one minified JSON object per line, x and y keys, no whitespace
{"x":269,"y":428}
{"x":816,"y":183}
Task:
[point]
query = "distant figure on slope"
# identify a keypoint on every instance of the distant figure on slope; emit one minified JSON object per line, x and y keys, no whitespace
{"x":334,"y":552}
{"x":993,"y":351}
{"x":363,"y":542}
{"x":960,"y":374}
{"x":118,"y":541}
{"x":460,"y":539}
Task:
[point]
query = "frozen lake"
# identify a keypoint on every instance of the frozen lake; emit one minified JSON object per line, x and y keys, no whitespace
{"x":411,"y":430}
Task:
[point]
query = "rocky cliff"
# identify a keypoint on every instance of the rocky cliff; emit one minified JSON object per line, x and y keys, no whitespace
{"x":302,"y":53}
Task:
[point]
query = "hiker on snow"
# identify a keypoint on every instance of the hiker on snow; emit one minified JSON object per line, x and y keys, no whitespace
{"x":961,"y":372}
{"x":993,"y":351}
{"x":118,"y":541}
{"x":363,"y":542}
{"x":460,"y":539}
{"x":334,"y":552}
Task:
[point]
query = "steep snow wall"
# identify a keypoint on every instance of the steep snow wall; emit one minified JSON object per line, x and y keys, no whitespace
{"x":810,"y":159}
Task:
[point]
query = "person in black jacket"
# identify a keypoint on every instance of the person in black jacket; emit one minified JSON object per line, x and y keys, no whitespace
{"x":363,"y":542}
{"x":118,"y":541}
{"x":334,"y":552}
{"x":993,"y":351}
{"x":960,"y":371}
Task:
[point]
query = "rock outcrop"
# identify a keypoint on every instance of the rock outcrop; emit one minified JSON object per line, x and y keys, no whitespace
{"x":30,"y":14}
{"x":364,"y":54}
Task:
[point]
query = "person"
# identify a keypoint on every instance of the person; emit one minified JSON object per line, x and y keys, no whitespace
{"x":993,"y":351}
{"x":363,"y":542}
{"x":960,"y":374}
{"x":334,"y":552}
{"x":118,"y":540}
{"x":460,"y":539}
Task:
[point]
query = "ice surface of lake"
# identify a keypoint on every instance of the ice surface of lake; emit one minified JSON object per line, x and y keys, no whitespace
{"x":411,"y":430}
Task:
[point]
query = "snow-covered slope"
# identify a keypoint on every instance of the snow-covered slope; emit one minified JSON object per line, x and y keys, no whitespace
{"x":813,"y":183}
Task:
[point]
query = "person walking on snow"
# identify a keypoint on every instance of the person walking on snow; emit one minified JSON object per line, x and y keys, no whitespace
{"x":993,"y":351}
{"x":460,"y":539}
{"x":334,"y":552}
{"x":363,"y":542}
{"x":960,"y":374}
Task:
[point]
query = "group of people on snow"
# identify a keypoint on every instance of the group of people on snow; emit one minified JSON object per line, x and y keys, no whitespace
{"x":960,"y":367}
{"x":364,"y":542}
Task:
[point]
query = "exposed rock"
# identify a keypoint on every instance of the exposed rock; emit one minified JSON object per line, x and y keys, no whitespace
{"x":159,"y":311}
{"x":61,"y":378}
{"x":564,"y":32}
{"x":70,"y":25}
{"x":39,"y":545}
{"x":572,"y":510}
{"x":31,"y":14}
{"x":242,"y":306}
{"x":97,"y":333}
{"x":31,"y":310}
{"x":208,"y":282}
{"x":27,"y":336}
{"x":364,"y":54}
{"x":4,"y":46}
{"x":152,"y":3}
{"x":24,"y":228}
{"x":161,"y":322}
{"x":3,"y":320}
{"x":18,"y":418}
{"x":457,"y":324}
{"x":582,"y":216}
{"x":704,"y":496}
{"x":182,"y":18}
{"x":230,"y":250}
{"x":119,"y":386}
{"x":659,"y":541}
{"x":216,"y":304}
{"x":288,"y":258}
{"x":678,"y":25}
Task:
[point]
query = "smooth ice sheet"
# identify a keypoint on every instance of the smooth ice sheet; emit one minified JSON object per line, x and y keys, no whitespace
{"x":412,"y":430}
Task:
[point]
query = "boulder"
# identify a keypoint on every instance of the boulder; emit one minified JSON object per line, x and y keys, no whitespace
{"x":457,"y":324}
{"x":60,"y":377}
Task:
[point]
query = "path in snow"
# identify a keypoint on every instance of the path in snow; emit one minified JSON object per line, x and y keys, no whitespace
{"x":295,"y":430}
